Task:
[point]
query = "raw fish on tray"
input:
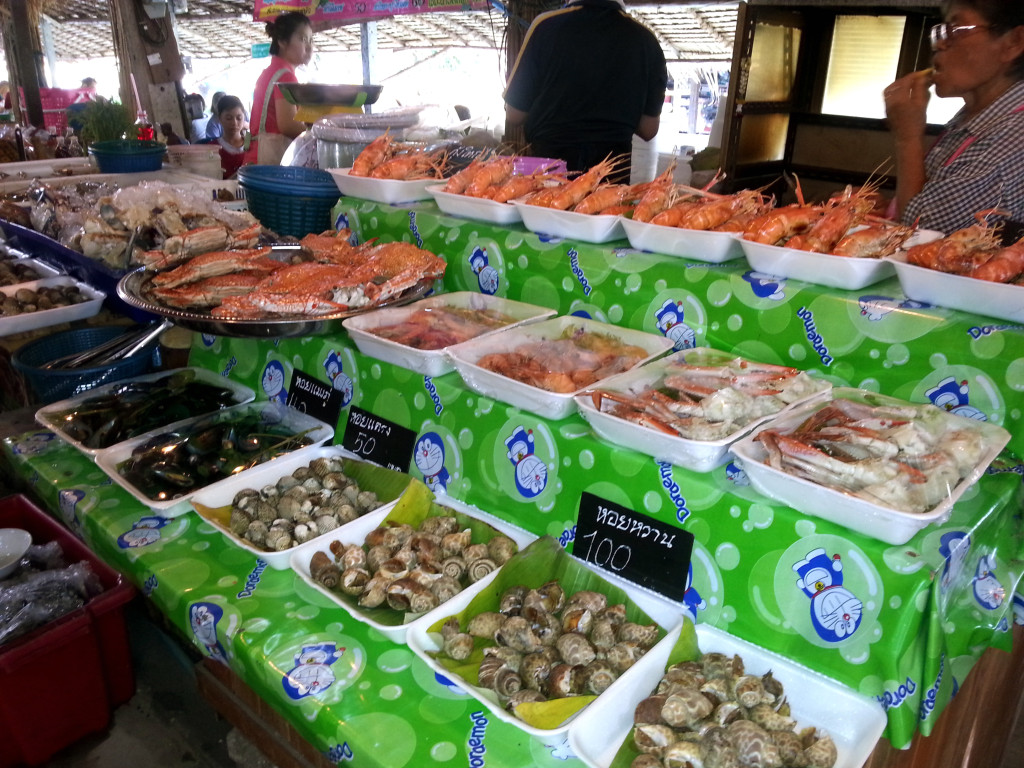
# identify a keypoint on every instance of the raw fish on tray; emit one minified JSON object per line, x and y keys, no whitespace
{"x":576,"y":360}
{"x":439,"y":327}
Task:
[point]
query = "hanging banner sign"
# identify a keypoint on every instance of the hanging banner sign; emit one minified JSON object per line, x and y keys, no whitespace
{"x":346,"y":11}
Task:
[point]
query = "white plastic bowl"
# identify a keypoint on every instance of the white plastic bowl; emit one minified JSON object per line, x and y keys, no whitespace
{"x":30,"y":321}
{"x":14,"y":543}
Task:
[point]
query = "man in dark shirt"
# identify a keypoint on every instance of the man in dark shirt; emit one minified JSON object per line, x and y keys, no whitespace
{"x":587,"y":78}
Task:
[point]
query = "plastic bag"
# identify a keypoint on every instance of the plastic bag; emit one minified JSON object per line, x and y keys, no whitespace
{"x":44,"y":597}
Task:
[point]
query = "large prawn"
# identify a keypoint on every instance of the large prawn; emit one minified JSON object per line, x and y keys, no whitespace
{"x":493,"y":173}
{"x":1005,"y":266}
{"x":569,"y":195}
{"x":840,"y":215}
{"x":375,"y":153}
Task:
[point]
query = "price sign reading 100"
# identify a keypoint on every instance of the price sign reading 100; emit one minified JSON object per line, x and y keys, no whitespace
{"x":634,"y":546}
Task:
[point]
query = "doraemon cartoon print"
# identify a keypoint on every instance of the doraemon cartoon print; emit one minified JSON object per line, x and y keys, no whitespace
{"x":987,"y":590}
{"x":691,"y":597}
{"x":669,"y":319}
{"x":486,"y":275}
{"x":429,"y":458}
{"x":835,"y":611}
{"x":954,"y":396}
{"x":33,"y":443}
{"x":954,"y":546}
{"x":312,"y":673}
{"x":144,"y":531}
{"x":67,"y":501}
{"x":273,"y":382}
{"x":875,"y":307}
{"x":531,"y":474}
{"x":766,"y":286}
{"x":735,"y":474}
{"x":338,"y":378}
{"x":203,"y":618}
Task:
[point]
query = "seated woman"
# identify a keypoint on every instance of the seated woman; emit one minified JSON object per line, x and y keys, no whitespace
{"x":234,"y":138}
{"x":977,"y":164}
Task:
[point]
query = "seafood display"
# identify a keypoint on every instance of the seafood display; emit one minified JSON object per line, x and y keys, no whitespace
{"x":312,"y":500}
{"x":973,"y":252}
{"x":118,"y":226}
{"x":441,"y":326}
{"x":40,"y":298}
{"x":410,"y":569}
{"x":903,"y":457}
{"x":327,"y":276}
{"x":543,"y":644}
{"x":14,"y":271}
{"x":123,"y":410}
{"x":170,"y":465}
{"x":704,"y":395}
{"x":574,"y":360}
{"x":710,"y":712}
{"x":385,"y":158}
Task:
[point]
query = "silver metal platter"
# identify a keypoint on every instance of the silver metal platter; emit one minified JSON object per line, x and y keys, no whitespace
{"x":133,"y":290}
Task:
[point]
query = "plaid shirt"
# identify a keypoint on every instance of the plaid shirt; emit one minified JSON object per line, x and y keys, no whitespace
{"x":975,"y":165}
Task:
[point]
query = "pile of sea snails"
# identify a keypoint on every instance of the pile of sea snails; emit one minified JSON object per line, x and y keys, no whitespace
{"x":410,"y":569}
{"x":550,"y":645}
{"x":708,"y":713}
{"x":312,"y":500}
{"x":25,"y":300}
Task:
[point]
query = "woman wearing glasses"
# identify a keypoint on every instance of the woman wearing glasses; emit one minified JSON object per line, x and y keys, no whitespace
{"x":978,"y":161}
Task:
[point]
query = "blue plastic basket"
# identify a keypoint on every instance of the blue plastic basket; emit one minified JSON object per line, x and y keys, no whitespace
{"x":128,"y":155}
{"x":290,"y":201}
{"x":50,"y":386}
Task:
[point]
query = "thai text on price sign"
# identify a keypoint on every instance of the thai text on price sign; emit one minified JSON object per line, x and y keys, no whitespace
{"x":632,"y":545}
{"x":376,"y":439}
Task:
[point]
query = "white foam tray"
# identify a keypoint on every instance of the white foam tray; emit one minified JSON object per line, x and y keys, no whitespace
{"x":550,"y":405}
{"x":388,"y":191}
{"x":43,"y":269}
{"x":273,"y":412}
{"x":432,"y":362}
{"x":665,"y":614}
{"x":356,"y":532}
{"x":698,"y":455}
{"x":713,"y":247}
{"x":30,"y":321}
{"x":223,"y":493}
{"x":1000,"y":300}
{"x":842,"y":272}
{"x":478,"y":208}
{"x":47,"y":416}
{"x":886,"y":524}
{"x":854,"y":722}
{"x":596,"y":228}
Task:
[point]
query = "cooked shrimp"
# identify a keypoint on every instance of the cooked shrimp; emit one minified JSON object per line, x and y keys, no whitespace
{"x":493,"y":173}
{"x":605,"y":196}
{"x":569,"y":195}
{"x":963,"y":251}
{"x":375,"y":153}
{"x":458,"y":182}
{"x":670,"y":217}
{"x":1004,"y":267}
{"x":715,"y":212}
{"x":840,"y":215}
{"x":873,"y":242}
{"x":780,"y":224}
{"x":411,"y":165}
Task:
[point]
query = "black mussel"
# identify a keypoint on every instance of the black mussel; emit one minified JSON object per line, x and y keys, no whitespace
{"x":172,"y":474}
{"x":205,"y":441}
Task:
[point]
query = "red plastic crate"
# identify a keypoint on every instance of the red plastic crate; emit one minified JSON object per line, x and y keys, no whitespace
{"x":55,"y":102}
{"x":60,"y":682}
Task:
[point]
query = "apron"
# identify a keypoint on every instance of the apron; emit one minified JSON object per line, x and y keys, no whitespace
{"x":270,"y":147}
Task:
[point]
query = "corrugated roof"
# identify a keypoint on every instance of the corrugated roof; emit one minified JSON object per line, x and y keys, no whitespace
{"x":700,"y":31}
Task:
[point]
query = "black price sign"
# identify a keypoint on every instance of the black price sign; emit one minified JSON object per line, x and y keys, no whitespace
{"x":314,"y":398}
{"x":378,"y":440}
{"x":634,"y":546}
{"x":460,"y":156}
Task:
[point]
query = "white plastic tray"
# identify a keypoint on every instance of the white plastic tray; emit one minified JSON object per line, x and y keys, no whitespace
{"x":884,"y":523}
{"x":47,"y":415}
{"x":432,"y":362}
{"x":698,"y":455}
{"x":223,"y":493}
{"x":714,"y":247}
{"x":30,"y":321}
{"x":388,"y":191}
{"x":841,"y":272}
{"x":42,"y":269}
{"x":596,"y":228}
{"x":356,"y":532}
{"x":479,"y":208}
{"x":854,"y":722}
{"x":551,"y":405}
{"x":665,"y":614}
{"x":981,"y":297}
{"x":273,"y":412}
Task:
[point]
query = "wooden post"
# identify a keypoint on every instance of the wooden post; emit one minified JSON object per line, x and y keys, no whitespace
{"x":146,"y":48}
{"x":24,"y":57}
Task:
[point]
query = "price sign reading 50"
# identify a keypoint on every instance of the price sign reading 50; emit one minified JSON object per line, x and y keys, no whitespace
{"x":364,"y":444}
{"x":634,"y":546}
{"x":379,"y":440}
